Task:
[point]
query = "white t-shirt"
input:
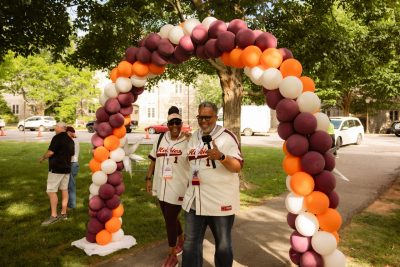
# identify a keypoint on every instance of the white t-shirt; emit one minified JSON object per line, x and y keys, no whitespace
{"x":218,"y":192}
{"x":75,"y":157}
{"x":171,"y":153}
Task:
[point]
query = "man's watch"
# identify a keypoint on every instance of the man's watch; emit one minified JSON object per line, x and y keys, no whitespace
{"x":222,"y":158}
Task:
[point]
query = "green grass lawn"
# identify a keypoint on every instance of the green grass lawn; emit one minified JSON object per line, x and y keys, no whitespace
{"x":24,"y":204}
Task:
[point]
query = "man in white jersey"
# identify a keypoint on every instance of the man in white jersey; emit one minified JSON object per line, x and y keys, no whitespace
{"x":212,"y":197}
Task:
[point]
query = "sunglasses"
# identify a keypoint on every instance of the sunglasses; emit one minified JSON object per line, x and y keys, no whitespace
{"x":203,"y":118}
{"x":175,"y":122}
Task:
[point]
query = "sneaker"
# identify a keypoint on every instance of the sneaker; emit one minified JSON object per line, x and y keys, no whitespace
{"x":50,"y":220}
{"x":179,"y":247}
{"x":62,"y":217}
{"x":171,"y":261}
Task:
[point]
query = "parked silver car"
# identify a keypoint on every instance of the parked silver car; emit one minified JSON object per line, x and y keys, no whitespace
{"x":40,"y":123}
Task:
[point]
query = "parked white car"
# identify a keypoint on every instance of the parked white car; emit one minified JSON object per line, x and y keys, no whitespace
{"x":2,"y":123}
{"x":40,"y":123}
{"x":348,"y":130}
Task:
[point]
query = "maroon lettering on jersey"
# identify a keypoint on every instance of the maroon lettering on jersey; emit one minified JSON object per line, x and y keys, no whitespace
{"x":226,"y":208}
{"x":202,"y":154}
{"x":162,"y":152}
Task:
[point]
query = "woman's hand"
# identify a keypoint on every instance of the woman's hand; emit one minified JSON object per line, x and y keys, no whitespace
{"x":148,"y":186}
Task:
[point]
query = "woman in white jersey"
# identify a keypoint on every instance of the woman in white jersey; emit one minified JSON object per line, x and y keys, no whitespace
{"x":170,"y":170}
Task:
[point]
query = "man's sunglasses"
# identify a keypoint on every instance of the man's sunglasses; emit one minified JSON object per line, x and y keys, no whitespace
{"x":175,"y":122}
{"x":203,"y":118}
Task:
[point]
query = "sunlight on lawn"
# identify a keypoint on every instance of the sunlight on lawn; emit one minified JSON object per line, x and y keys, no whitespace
{"x":21,"y":209}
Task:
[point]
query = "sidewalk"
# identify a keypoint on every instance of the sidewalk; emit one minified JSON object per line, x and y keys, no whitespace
{"x":261,"y":234}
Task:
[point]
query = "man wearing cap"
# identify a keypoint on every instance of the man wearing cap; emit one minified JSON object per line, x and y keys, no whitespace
{"x":74,"y":169}
{"x":59,"y":153}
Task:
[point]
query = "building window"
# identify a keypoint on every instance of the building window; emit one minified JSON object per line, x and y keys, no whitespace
{"x":178,"y":88}
{"x":394,"y":115}
{"x":151,"y":112}
{"x":91,"y":108}
{"x":15,"y":109}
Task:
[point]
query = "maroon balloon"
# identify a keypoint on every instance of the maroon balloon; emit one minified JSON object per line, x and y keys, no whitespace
{"x":102,"y":115}
{"x":130,"y":54}
{"x":152,"y":41}
{"x":287,"y":110}
{"x":104,"y":214}
{"x":285,"y":130}
{"x":226,"y":41}
{"x":211,"y":48}
{"x":201,"y":52}
{"x":97,"y":140}
{"x":305,"y":123}
{"x":174,"y":60}
{"x":311,"y":259}
{"x":258,"y":33}
{"x":297,"y":145}
{"x":104,"y":129}
{"x":158,"y":59}
{"x":199,"y":34}
{"x":120,"y":166}
{"x":294,"y":256}
{"x":325,"y":182}
{"x":91,"y":238}
{"x":320,"y":141}
{"x":126,"y":110}
{"x":329,"y":161}
{"x":94,"y":226}
{"x":181,"y":54}
{"x":117,"y":120}
{"x":215,"y":28}
{"x":186,"y":44}
{"x":286,"y":53}
{"x":96,"y":203}
{"x":272,"y":97}
{"x":113,"y":202}
{"x":333,"y":199}
{"x":115,"y":178}
{"x":106,"y":191}
{"x":144,"y":55}
{"x":266,"y":40}
{"x":299,"y":242}
{"x":165,"y":47}
{"x":291,"y":219}
{"x":236,"y":25}
{"x":142,"y":41}
{"x":119,"y":189}
{"x":312,"y":162}
{"x":245,"y":38}
{"x":92,"y":213}
{"x":112,"y":106}
{"x":125,"y":99}
{"x":137,"y":90}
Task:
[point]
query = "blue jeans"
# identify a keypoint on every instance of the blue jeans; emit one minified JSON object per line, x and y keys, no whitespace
{"x":72,"y":185}
{"x":195,"y":228}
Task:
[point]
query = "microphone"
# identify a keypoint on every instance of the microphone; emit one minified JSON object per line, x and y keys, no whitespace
{"x":207,"y":139}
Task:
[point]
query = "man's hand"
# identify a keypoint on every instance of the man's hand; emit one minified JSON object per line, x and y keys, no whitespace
{"x":148,"y":186}
{"x":214,"y":153}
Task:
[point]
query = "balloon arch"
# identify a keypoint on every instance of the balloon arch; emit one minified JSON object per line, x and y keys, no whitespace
{"x":311,"y":202}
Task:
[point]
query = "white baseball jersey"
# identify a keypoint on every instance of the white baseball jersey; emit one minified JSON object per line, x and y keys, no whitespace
{"x":170,"y":188}
{"x":218,"y":191}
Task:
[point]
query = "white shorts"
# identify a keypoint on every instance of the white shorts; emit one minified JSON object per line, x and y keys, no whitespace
{"x":57,"y":181}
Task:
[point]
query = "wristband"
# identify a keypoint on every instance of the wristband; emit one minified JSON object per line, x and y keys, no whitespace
{"x":222,"y":158}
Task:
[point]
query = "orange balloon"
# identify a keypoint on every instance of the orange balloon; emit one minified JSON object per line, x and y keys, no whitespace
{"x":234,"y":58}
{"x":111,"y":142}
{"x":94,"y":165}
{"x":291,"y":164}
{"x":302,"y":183}
{"x":308,"y":84}
{"x":127,"y":119}
{"x":291,"y":67}
{"x":124,"y":69}
{"x":284,"y":148}
{"x":330,"y":220}
{"x":103,"y":237}
{"x":225,"y":59}
{"x":271,"y":58}
{"x":113,"y":225}
{"x":316,"y":202}
{"x":101,"y":153}
{"x":251,"y":56}
{"x":119,"y":132}
{"x":118,"y":211}
{"x":114,"y":74}
{"x":336,"y":235}
{"x":140,"y":69}
{"x":153,"y":68}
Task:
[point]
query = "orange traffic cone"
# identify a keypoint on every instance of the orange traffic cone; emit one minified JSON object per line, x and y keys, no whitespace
{"x":39,"y":134}
{"x":147,"y":135}
{"x":2,"y":133}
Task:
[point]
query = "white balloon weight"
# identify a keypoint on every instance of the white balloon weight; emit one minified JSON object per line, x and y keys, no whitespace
{"x":189,"y":25}
{"x":322,"y":121}
{"x":122,"y":141}
{"x":110,"y":90}
{"x":207,"y":21}
{"x":306,"y":224}
{"x":94,"y":189}
{"x":164,"y":31}
{"x":291,"y":87}
{"x":335,"y":259}
{"x":117,"y":154}
{"x":103,"y":99}
{"x":108,"y":166}
{"x":99,"y":178}
{"x":324,"y":243}
{"x":288,"y":178}
{"x":294,"y":203}
{"x":256,"y":74}
{"x":138,"y":81}
{"x":271,"y":78}
{"x":117,"y":236}
{"x":123,"y":85}
{"x":175,"y":34}
{"x":308,"y":102}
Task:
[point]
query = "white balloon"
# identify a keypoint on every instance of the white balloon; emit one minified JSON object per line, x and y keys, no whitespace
{"x":117,"y":154}
{"x":138,"y":81}
{"x":164,"y":31}
{"x":94,"y":189}
{"x":288,"y":178}
{"x":108,"y":166}
{"x":99,"y":178}
{"x":294,"y":203}
{"x":103,"y":99}
{"x":247,"y":71}
{"x":151,"y":75}
{"x":324,"y":243}
{"x":189,"y":25}
{"x":256,"y":74}
{"x":123,"y":85}
{"x":175,"y":34}
{"x":335,"y":259}
{"x":322,"y":121}
{"x":90,"y":196}
{"x":306,"y":224}
{"x":291,"y":87}
{"x":207,"y":21}
{"x":117,"y":236}
{"x":271,"y":78}
{"x":308,"y":102}
{"x":120,"y":219}
{"x":122,"y":141}
{"x":110,"y":90}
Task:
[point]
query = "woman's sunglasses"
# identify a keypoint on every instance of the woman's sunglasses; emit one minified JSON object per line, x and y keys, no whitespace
{"x":175,"y":122}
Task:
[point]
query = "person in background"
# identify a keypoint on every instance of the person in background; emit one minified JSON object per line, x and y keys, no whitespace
{"x":212,"y":198}
{"x":74,"y":169}
{"x":59,"y":154}
{"x":171,"y":171}
{"x":331,"y":132}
